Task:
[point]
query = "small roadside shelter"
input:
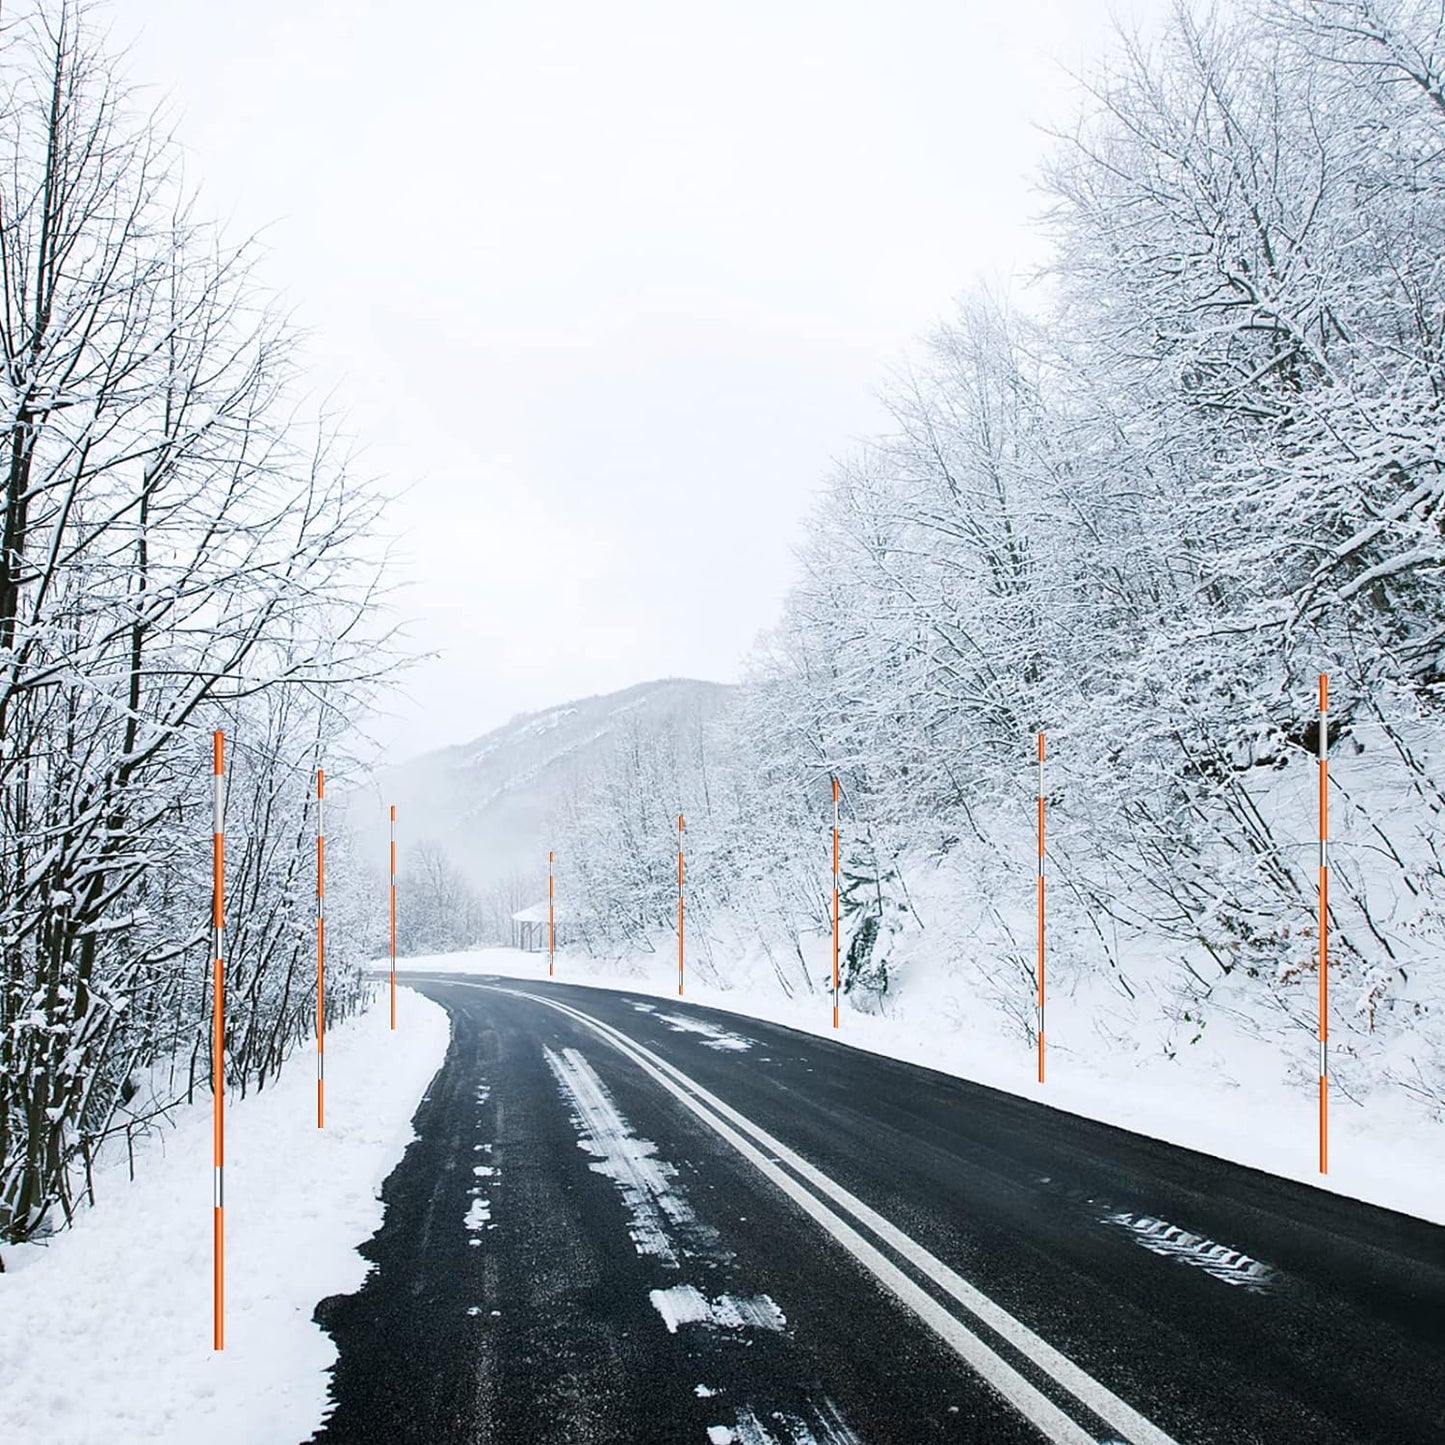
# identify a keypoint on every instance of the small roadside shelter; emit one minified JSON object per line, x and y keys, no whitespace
{"x":529,"y":927}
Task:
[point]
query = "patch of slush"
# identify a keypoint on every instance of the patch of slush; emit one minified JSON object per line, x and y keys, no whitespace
{"x":1217,"y":1260}
{"x":479,"y":1213}
{"x":713,"y":1037}
{"x":644,"y":1181}
{"x":685,"y":1305}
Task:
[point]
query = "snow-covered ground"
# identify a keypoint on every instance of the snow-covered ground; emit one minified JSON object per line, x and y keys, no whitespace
{"x":1234,"y":1097}
{"x":127,"y":1291}
{"x":105,"y":1332}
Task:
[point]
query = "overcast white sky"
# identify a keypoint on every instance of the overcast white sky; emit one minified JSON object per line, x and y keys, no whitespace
{"x":605,"y":287}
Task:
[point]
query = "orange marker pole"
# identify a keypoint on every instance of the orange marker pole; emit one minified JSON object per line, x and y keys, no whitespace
{"x":835,"y":903}
{"x":1041,"y":909}
{"x":1324,"y":925}
{"x":320,"y":952}
{"x":551,"y":916}
{"x":679,"y":905}
{"x":393,"y":915}
{"x":218,"y":1028}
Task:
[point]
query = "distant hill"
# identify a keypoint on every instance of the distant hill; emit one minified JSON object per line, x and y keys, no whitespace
{"x":488,"y":803}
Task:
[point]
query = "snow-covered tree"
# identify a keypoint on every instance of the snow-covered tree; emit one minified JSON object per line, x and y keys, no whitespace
{"x":180,"y":552}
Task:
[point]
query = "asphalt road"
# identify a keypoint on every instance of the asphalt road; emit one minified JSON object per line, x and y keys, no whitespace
{"x":630,"y":1221}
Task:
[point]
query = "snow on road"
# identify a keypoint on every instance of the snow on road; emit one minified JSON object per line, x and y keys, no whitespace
{"x":713,"y":1037}
{"x":825,"y":1428}
{"x":1232,"y":1266}
{"x":646,"y":1182}
{"x":685,"y":1304}
{"x":105,"y":1333}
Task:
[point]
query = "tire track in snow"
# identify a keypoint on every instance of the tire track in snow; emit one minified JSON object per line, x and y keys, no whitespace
{"x":1171,"y":1241}
{"x":1230,"y":1266}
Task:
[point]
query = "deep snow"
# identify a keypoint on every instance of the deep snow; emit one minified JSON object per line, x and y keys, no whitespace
{"x":105,"y":1330}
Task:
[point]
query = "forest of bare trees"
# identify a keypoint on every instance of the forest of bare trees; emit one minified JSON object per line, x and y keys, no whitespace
{"x":184,"y":549}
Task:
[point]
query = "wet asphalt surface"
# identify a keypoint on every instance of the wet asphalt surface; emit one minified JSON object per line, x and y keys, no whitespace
{"x":512,"y":1302}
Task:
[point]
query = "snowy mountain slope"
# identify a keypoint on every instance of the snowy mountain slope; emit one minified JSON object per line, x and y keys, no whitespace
{"x":490,"y":803}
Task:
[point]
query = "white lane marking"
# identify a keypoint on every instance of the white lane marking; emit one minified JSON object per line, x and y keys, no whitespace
{"x":684,"y":1304}
{"x":1134,"y":1427}
{"x":1217,"y":1260}
{"x":644,"y":1181}
{"x":1029,"y":1401}
{"x":713,"y":1037}
{"x":479,"y":1213}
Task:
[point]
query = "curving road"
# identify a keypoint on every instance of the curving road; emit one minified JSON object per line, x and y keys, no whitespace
{"x":627,"y":1220}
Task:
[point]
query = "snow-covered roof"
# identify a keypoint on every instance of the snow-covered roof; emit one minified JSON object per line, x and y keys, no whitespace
{"x":537,"y":913}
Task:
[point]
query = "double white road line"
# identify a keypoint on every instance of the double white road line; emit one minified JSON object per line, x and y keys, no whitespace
{"x":846,"y":1218}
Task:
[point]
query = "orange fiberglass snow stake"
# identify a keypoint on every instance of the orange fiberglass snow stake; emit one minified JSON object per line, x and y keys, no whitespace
{"x":551,"y":915}
{"x":320,"y":952}
{"x":679,"y":905}
{"x":392,"y":902}
{"x":218,"y":1029}
{"x":1324,"y":924}
{"x":1041,"y":909}
{"x":835,"y":903}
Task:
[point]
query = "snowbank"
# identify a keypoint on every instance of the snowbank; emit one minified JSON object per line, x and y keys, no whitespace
{"x":105,"y":1332}
{"x":1235,"y":1097}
